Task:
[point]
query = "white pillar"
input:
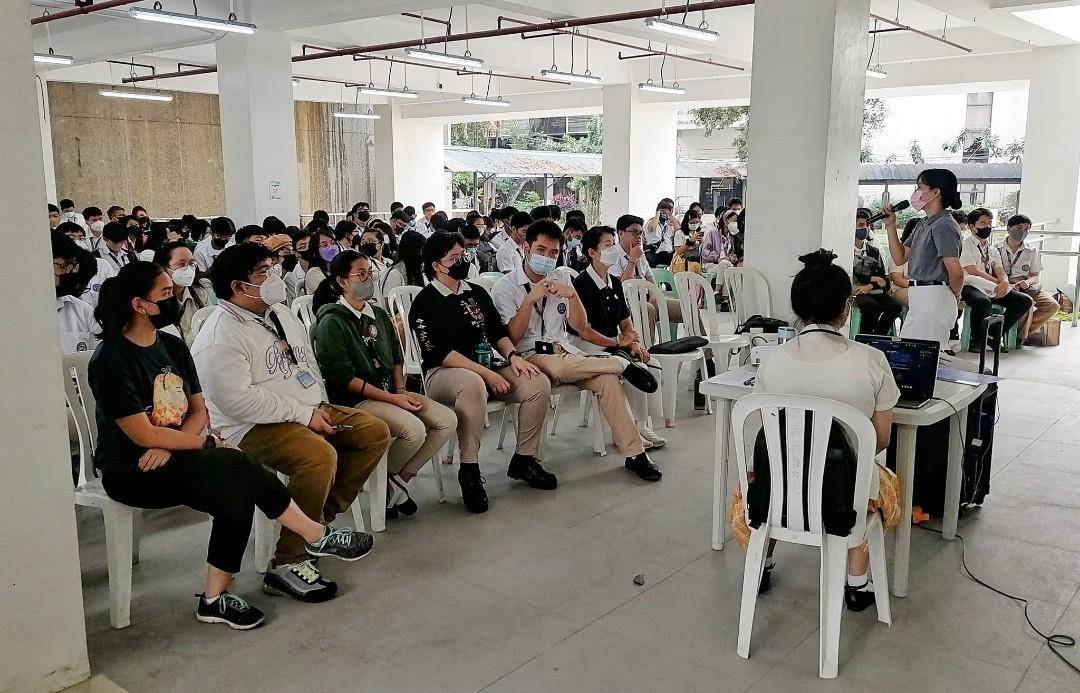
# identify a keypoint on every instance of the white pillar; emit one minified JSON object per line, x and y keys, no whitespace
{"x":43,"y":636}
{"x":1052,"y":154}
{"x":409,"y":160}
{"x":45,"y":123}
{"x":258,"y":127}
{"x":806,"y":106}
{"x":638,"y":164}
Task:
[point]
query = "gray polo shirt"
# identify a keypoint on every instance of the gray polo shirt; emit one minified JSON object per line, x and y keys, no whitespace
{"x":934,"y":238}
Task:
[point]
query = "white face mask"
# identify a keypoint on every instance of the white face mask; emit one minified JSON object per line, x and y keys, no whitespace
{"x":185,"y":276}
{"x":733,"y":227}
{"x":97,"y":227}
{"x":272,"y":290}
{"x":694,"y":225}
{"x":610,"y":256}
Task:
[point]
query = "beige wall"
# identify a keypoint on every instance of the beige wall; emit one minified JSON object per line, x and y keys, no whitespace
{"x":167,"y":156}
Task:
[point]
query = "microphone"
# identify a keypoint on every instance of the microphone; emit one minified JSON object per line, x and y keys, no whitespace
{"x":901,"y":205}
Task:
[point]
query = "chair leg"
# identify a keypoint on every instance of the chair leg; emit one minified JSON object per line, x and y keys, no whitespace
{"x":448,"y":456}
{"x":879,"y":573}
{"x":137,"y":517}
{"x":555,"y":401}
{"x":833,"y":576}
{"x":264,"y":540}
{"x":670,"y":377}
{"x":599,"y":434}
{"x":119,"y":537}
{"x":438,"y":479}
{"x":584,"y":404}
{"x":377,"y":501}
{"x":358,"y":515}
{"x":502,"y":427}
{"x":752,"y":569}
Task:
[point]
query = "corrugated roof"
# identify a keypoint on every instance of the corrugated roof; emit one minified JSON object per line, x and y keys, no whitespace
{"x":965,"y":173}
{"x":521,"y":162}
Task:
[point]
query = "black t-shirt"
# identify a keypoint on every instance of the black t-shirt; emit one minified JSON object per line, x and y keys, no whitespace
{"x":127,"y":379}
{"x":457,"y":322}
{"x":604,"y":308}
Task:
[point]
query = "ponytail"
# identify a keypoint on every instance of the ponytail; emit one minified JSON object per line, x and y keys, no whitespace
{"x":944,"y":181}
{"x":329,"y":291}
{"x":114,"y":311}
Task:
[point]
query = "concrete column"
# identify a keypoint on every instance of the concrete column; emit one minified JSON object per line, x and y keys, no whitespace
{"x":45,"y":123}
{"x":1052,"y":154}
{"x":409,"y":160}
{"x":258,"y":127}
{"x":806,"y":106}
{"x":638,"y":165}
{"x":43,"y":637}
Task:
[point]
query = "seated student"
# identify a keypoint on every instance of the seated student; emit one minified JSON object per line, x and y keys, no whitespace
{"x":298,"y":276}
{"x":478,"y":252}
{"x":408,"y":270}
{"x":73,"y":269}
{"x":1022,"y":266}
{"x":220,"y":237}
{"x":573,"y":231}
{"x":345,"y":233}
{"x":265,"y":394}
{"x":322,"y":248}
{"x":538,"y":304}
{"x":116,"y":251}
{"x":688,"y":238}
{"x":54,"y":216}
{"x":510,"y":254}
{"x":95,"y":224}
{"x":154,"y":449}
{"x":179,"y":263}
{"x":716,"y":247}
{"x":372,"y":244}
{"x":502,"y":219}
{"x":360,"y":357}
{"x":251,"y":233}
{"x":985,"y":281}
{"x":879,"y":309}
{"x":272,"y":226}
{"x":659,"y":235}
{"x":609,"y":317}
{"x":632,"y":263}
{"x":823,"y":362}
{"x":457,"y":327}
{"x":283,"y":256}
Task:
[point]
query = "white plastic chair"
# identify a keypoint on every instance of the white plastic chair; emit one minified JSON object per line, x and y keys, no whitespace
{"x":705,"y":321}
{"x":121,"y":538}
{"x":199,"y":318}
{"x":484,"y":281}
{"x":756,"y":412}
{"x":748,"y":291}
{"x":637,"y":293}
{"x":301,"y":307}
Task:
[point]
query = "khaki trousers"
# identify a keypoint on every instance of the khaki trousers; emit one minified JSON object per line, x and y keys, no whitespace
{"x":325,"y":473}
{"x":599,"y":375}
{"x":466,"y":393}
{"x":1044,"y":309}
{"x":418,"y":436}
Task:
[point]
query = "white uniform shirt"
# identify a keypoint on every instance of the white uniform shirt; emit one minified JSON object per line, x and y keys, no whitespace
{"x":548,"y":319}
{"x":510,"y":255}
{"x":498,"y":239}
{"x":985,"y":257}
{"x":75,"y":318}
{"x":1022,"y":264}
{"x":205,"y":253}
{"x":643,"y":269}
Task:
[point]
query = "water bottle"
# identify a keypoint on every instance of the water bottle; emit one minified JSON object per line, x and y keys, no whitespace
{"x":483,"y":354}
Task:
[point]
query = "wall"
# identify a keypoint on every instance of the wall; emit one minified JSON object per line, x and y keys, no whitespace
{"x":334,"y":157}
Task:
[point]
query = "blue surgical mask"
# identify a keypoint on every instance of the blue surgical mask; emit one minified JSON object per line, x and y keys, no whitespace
{"x":861,"y":234}
{"x":542,"y":265}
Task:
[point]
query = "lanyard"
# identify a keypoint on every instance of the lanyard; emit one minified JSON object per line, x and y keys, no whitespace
{"x":820,"y":329}
{"x":540,"y":310}
{"x":984,"y":251}
{"x":1012,"y":258}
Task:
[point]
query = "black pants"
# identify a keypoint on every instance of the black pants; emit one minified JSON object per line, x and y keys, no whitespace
{"x":220,"y":482}
{"x":879,"y":311}
{"x":1016,"y":306}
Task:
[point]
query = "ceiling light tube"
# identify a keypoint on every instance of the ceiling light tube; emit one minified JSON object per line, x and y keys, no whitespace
{"x":372,"y":90}
{"x":51,"y":58}
{"x":483,"y":101}
{"x":431,"y":56}
{"x":583,"y":78}
{"x":661,"y":88}
{"x":192,"y":20}
{"x":137,"y":95}
{"x":701,"y":33}
{"x":876,"y":72}
{"x":363,"y":115}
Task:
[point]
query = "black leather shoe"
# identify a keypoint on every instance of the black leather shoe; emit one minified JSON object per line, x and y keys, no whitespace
{"x":472,"y":488}
{"x":527,"y":468}
{"x":766,"y":579}
{"x":640,"y":377}
{"x":644,"y":468}
{"x":858,"y":598}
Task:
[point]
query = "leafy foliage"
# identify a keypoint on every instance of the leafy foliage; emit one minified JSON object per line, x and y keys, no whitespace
{"x":916,"y":153}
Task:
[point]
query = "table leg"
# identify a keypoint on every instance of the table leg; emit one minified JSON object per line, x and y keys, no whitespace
{"x":721,"y":453}
{"x":954,"y":473}
{"x":905,"y":471}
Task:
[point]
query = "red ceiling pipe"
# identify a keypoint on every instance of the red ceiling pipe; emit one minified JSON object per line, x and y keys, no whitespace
{"x":76,"y":11}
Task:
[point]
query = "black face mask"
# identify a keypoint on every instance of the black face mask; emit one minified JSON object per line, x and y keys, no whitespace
{"x":363,"y":216}
{"x":369,"y":249}
{"x":459,"y":270}
{"x":289,"y":263}
{"x":983,"y":233}
{"x":170,"y":312}
{"x":68,"y":285}
{"x":218,"y":243}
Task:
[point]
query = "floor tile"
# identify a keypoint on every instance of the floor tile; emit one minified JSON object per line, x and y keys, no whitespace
{"x":1047,"y":665}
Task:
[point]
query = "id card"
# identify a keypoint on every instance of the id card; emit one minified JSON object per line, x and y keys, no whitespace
{"x":305,"y":378}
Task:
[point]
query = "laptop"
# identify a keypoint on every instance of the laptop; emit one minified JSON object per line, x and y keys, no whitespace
{"x":914,"y":364}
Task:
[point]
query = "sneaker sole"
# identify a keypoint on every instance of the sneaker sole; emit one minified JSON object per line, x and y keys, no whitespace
{"x":320,"y":554}
{"x":275,"y":592}
{"x":230,"y":624}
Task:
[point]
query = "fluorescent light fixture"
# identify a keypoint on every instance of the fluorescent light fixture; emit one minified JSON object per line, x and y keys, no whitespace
{"x":362,"y":115}
{"x":682,"y":30}
{"x":296,"y":81}
{"x":483,"y":101}
{"x":193,"y":20}
{"x":431,"y":56}
{"x":661,"y":88}
{"x":584,"y":78}
{"x":51,"y":58}
{"x":1063,"y":21}
{"x":373,"y":90}
{"x":876,"y":72}
{"x":137,"y":95}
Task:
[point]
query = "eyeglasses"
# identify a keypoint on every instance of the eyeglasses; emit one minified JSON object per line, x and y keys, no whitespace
{"x":261,"y":272}
{"x":362,"y":275}
{"x":65,"y":267}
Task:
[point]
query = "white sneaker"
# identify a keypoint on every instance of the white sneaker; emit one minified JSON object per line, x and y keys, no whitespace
{"x":650,"y":437}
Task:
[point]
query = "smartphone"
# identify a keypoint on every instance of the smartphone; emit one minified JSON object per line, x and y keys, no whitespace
{"x":342,"y":427}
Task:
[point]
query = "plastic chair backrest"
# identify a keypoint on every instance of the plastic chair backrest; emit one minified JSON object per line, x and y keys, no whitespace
{"x":663,"y":275}
{"x":753,"y":413}
{"x":400,"y":300}
{"x":484,"y":281}
{"x":749,"y":293}
{"x":496,"y":276}
{"x":82,"y":407}
{"x":637,"y":293}
{"x":691,"y":285}
{"x":199,"y":318}
{"x":301,"y":306}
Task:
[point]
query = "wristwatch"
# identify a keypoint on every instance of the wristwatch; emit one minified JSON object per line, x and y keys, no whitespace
{"x":209,"y":443}
{"x":512,"y":354}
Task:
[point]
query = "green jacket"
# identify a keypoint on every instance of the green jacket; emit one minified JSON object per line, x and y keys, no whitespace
{"x":348,"y":347}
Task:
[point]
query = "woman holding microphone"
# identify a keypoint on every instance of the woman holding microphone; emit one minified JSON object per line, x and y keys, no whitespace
{"x":932,"y":254}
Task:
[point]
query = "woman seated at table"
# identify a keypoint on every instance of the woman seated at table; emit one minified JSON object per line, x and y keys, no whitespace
{"x":822,"y":362}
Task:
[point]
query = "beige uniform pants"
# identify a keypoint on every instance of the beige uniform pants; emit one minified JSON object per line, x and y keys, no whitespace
{"x":466,"y":393}
{"x":599,"y":375}
{"x":418,"y":436}
{"x":1044,"y":308}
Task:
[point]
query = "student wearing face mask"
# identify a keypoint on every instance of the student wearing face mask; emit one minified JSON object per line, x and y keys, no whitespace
{"x":95,"y":223}
{"x":688,"y":240}
{"x":73,"y":268}
{"x":221,"y":235}
{"x":478,"y":252}
{"x":573,"y":231}
{"x":879,"y":310}
{"x":1023,"y":266}
{"x":284,"y":258}
{"x":68,"y":213}
{"x":179,"y":263}
{"x":371,"y":246}
{"x":407,"y":270}
{"x":322,"y":249}
{"x":116,"y":251}
{"x":361,"y":358}
{"x":985,"y":281}
{"x":716,"y":246}
{"x":510,"y":253}
{"x":659,"y":238}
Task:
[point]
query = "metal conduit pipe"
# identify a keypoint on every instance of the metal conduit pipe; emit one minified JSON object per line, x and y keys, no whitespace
{"x":76,"y":11}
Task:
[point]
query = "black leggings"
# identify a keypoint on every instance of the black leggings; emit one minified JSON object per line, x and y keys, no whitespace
{"x":1016,"y":306}
{"x":221,"y":482}
{"x":879,"y":311}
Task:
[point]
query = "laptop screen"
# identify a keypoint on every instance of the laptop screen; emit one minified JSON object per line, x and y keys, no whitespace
{"x":914,"y":363}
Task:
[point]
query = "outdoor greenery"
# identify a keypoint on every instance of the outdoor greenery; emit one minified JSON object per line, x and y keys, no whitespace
{"x":985,"y":142}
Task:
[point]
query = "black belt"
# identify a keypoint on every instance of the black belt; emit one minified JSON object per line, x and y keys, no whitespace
{"x":931,"y":282}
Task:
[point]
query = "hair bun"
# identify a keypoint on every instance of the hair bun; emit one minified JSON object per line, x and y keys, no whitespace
{"x":818,"y":259}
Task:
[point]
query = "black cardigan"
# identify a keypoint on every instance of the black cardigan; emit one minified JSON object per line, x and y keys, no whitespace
{"x":457,"y":322}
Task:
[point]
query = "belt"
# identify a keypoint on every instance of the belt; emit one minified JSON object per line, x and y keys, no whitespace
{"x":932,"y":282}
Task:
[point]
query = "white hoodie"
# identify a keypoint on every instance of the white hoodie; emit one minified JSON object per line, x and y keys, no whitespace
{"x":246,"y":375}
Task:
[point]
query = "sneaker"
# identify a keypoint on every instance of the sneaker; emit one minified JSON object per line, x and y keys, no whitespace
{"x":230,"y":610}
{"x":344,"y":543}
{"x":473,"y":494}
{"x":398,"y":500}
{"x":644,"y":468}
{"x":650,"y":436}
{"x":858,"y":598}
{"x":527,"y":468}
{"x":301,"y":581}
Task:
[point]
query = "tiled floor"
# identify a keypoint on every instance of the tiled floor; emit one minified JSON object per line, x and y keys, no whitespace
{"x":539,"y":594}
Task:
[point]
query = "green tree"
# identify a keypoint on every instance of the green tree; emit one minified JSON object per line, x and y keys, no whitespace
{"x":916,"y":153}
